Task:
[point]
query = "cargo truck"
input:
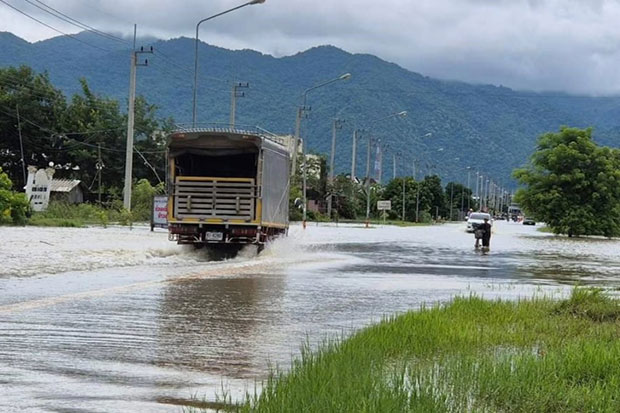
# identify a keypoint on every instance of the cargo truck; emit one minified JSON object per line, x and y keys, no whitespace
{"x":227,"y":188}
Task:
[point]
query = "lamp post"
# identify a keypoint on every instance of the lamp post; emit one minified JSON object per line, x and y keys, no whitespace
{"x":249,"y":3}
{"x":300,"y":111}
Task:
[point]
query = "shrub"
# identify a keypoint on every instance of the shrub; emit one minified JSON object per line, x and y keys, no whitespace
{"x":14,"y":207}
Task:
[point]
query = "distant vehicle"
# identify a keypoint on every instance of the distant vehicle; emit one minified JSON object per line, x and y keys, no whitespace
{"x":528,"y":221}
{"x":477,"y":218}
{"x":228,"y":188}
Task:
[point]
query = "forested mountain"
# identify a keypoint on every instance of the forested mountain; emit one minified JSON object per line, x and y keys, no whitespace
{"x":489,"y":128}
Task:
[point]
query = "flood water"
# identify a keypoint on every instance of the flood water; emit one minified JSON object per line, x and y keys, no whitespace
{"x":117,"y":320}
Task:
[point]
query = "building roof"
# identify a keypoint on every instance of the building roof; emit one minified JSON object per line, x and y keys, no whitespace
{"x":64,"y":185}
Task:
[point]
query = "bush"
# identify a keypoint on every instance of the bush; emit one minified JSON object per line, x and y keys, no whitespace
{"x":14,"y":207}
{"x":142,"y":200}
{"x":425,"y":217}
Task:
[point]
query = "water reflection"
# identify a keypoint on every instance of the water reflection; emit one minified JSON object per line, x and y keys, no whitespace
{"x":215,"y":325}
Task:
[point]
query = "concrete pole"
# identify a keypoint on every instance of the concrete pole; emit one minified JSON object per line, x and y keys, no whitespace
{"x":451,"y":199}
{"x":233,"y":105}
{"x":130,"y":124}
{"x":335,"y":126}
{"x":380,"y":154}
{"x":478,"y":188}
{"x":296,"y":140}
{"x":469,"y":197}
{"x":368,"y":181}
{"x":394,"y":166}
{"x":353,"y":155}
{"x":403,"y":198}
{"x":21,"y":145}
{"x":304,"y":174}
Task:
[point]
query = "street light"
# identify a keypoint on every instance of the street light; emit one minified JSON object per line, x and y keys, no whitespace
{"x":249,"y":3}
{"x":303,"y":145}
{"x":300,"y":111}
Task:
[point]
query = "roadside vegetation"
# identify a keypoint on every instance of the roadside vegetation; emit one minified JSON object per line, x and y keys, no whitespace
{"x":572,"y":184}
{"x":14,"y":206}
{"x":83,"y":136}
{"x":61,"y":214}
{"x":534,"y":355}
{"x":426,"y":201}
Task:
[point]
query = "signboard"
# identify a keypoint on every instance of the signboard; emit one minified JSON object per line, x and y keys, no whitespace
{"x":160,"y":212}
{"x":39,"y":187}
{"x":384,"y":205}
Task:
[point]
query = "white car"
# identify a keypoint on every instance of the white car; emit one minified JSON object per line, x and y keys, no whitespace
{"x":476,"y":218}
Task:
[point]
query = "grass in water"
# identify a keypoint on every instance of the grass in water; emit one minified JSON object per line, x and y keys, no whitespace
{"x":537,"y":355}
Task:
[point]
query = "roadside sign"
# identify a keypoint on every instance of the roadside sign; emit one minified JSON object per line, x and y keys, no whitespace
{"x":159,"y":218}
{"x":384,"y":205}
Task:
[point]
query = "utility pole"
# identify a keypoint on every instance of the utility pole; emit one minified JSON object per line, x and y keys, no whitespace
{"x":417,"y":202}
{"x":235,"y":93}
{"x":21,"y":144}
{"x":354,"y":154}
{"x":380,"y":153}
{"x":300,"y":113}
{"x":130,"y":120}
{"x":394,"y":166}
{"x":337,"y":124}
{"x":469,"y":197}
{"x":99,"y":167}
{"x":477,"y":189}
{"x":368,"y":181}
{"x":451,"y":198}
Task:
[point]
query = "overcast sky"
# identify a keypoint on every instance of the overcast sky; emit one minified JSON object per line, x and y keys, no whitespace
{"x":558,"y":45}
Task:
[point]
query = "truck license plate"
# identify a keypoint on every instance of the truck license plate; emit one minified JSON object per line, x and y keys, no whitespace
{"x":214,"y":236}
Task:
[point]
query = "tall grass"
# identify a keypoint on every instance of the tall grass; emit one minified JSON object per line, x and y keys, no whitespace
{"x":536,"y":355}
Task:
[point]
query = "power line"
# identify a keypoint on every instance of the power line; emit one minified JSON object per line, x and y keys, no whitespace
{"x":62,"y":16}
{"x":43,"y":129}
{"x":51,"y":27}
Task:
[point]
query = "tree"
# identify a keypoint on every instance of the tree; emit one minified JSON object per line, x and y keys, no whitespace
{"x":432,"y":199}
{"x":41,"y":108}
{"x":457,"y":196}
{"x":394,"y":192}
{"x":572,"y":184}
{"x":67,"y":135}
{"x":345,"y":195}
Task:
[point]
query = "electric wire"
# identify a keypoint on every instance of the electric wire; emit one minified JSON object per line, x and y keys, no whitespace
{"x":62,"y":16}
{"x":52,"y":27}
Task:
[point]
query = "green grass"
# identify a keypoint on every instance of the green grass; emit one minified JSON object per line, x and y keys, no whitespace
{"x":545,"y":229}
{"x":61,"y":214}
{"x":536,"y":355}
{"x":42,"y":221}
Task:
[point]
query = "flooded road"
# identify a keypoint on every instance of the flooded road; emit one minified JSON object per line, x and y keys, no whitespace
{"x":116,"y":320}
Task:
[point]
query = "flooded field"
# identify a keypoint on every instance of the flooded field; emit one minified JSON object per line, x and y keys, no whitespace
{"x":117,"y":320}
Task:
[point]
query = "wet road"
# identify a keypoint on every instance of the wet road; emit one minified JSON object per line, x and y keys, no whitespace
{"x":113,"y":320}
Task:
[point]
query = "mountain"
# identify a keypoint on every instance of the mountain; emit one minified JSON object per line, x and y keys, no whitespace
{"x":490,"y":128}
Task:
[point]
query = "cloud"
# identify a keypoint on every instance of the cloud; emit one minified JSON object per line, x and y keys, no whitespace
{"x":564,"y":45}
